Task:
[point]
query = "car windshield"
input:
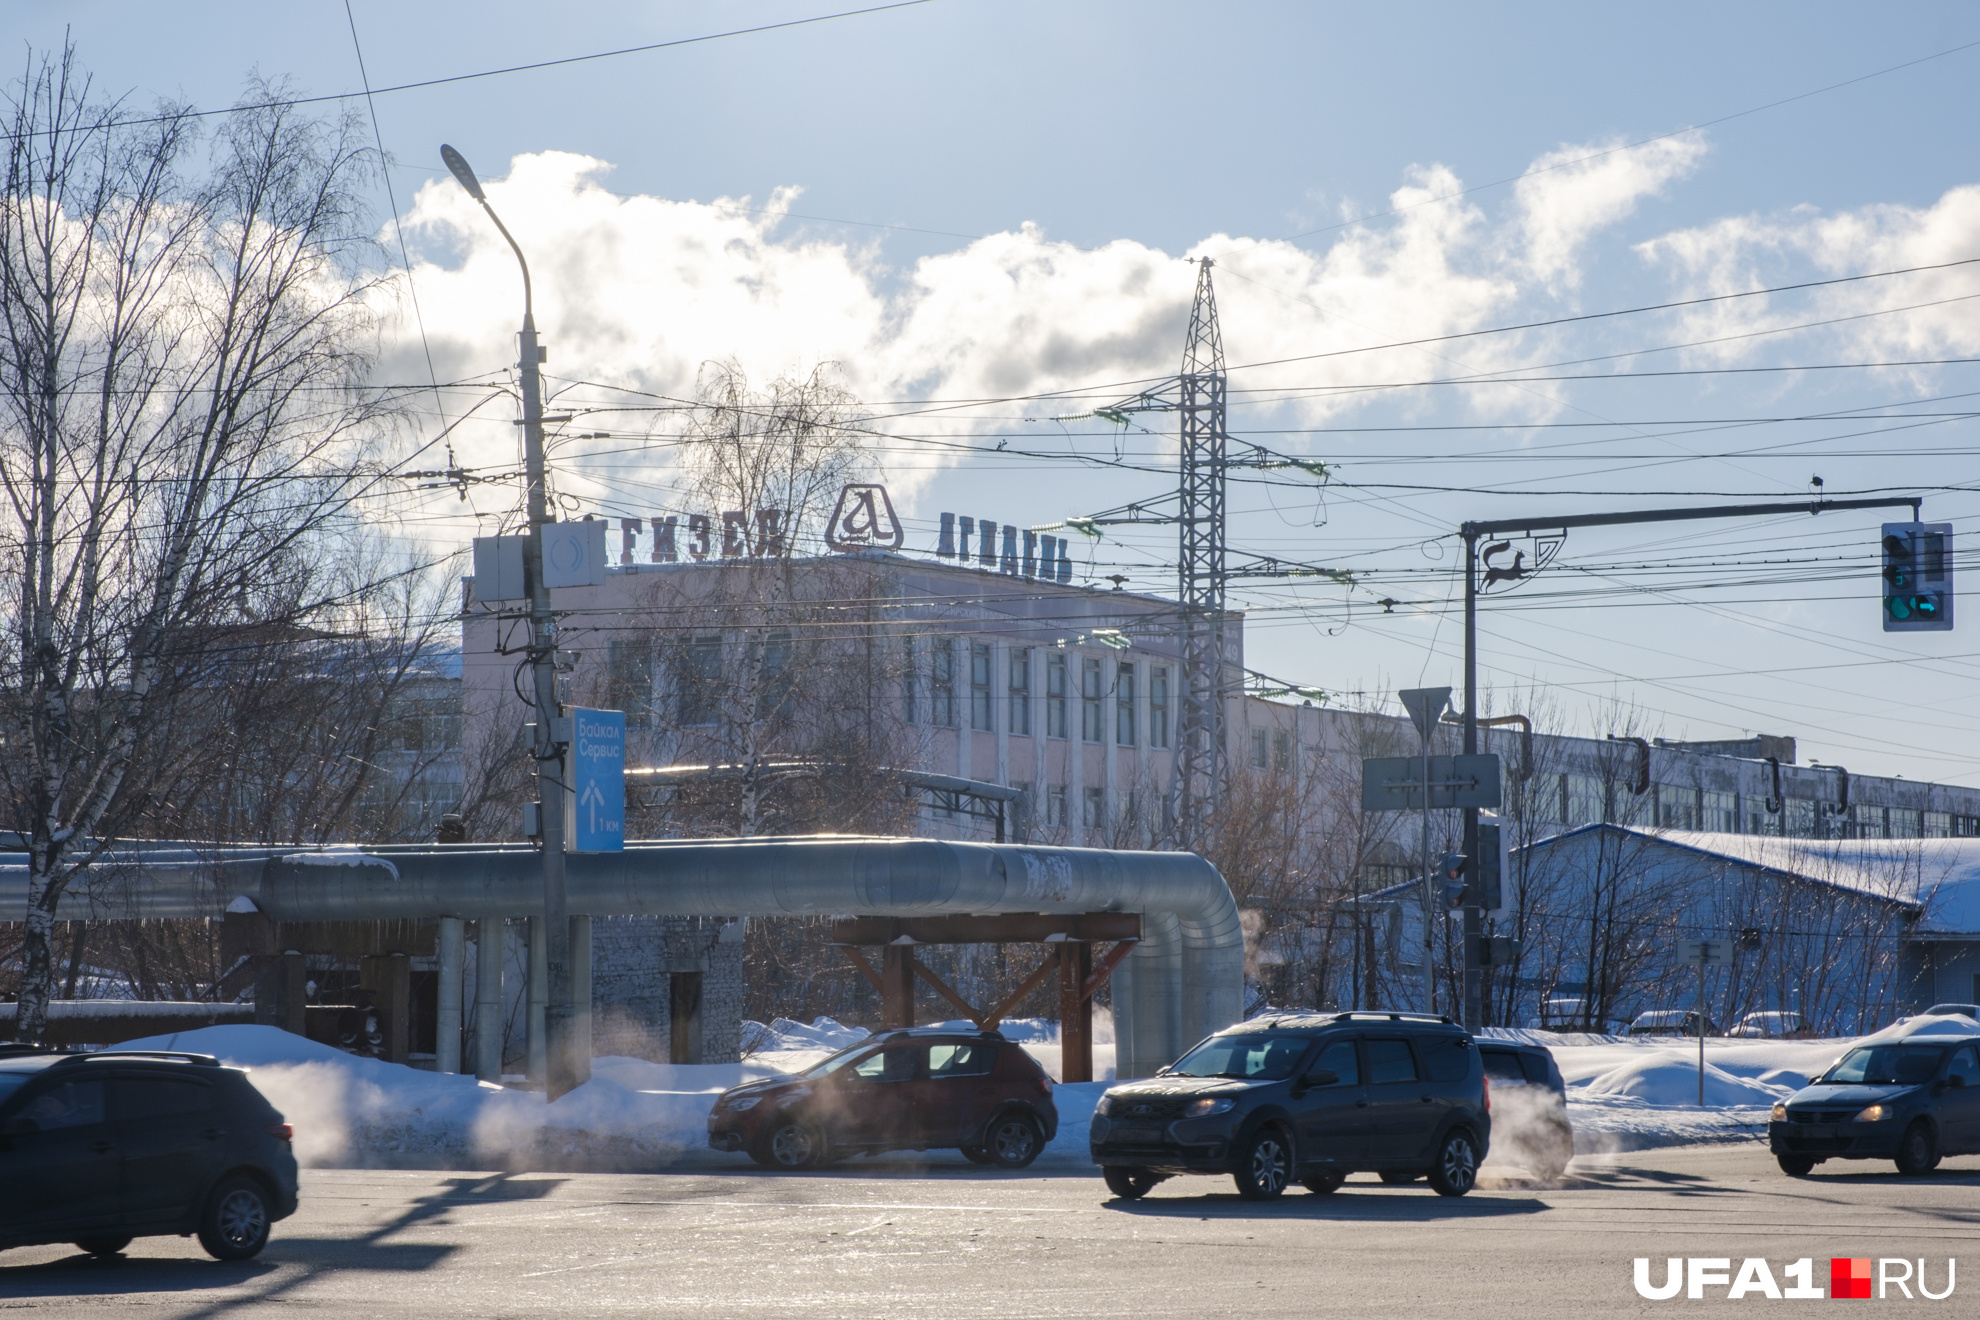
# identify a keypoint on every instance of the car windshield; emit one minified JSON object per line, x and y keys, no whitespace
{"x":1248,"y":1056}
{"x":833,"y":1062}
{"x":1886,"y":1065}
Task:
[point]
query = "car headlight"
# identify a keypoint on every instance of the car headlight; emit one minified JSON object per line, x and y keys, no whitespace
{"x":1104,"y":1105}
{"x":1780,"y":1111}
{"x":1874,"y":1114}
{"x":746,"y":1102}
{"x":1209,"y":1105}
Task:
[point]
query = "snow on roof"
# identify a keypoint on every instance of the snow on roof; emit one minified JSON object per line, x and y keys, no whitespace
{"x":1940,"y":877}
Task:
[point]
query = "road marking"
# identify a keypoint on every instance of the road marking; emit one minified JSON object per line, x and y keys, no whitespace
{"x":589,"y":1265}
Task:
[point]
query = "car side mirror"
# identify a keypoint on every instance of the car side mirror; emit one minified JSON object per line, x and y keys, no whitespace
{"x":1319,"y":1077}
{"x":1955,"y":1080}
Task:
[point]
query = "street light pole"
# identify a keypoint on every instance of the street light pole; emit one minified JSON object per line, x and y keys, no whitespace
{"x":563,"y":1071}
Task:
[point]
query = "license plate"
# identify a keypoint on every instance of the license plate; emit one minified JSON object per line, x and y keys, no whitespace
{"x":1125,"y":1133}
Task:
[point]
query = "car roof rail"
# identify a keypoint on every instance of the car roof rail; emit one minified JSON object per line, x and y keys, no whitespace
{"x":1376,"y":1015}
{"x":182,"y":1056}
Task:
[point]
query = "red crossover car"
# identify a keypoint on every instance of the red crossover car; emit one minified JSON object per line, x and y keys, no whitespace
{"x":905,"y":1090}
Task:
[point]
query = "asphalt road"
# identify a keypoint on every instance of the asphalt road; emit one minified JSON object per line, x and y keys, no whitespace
{"x":886,"y":1239}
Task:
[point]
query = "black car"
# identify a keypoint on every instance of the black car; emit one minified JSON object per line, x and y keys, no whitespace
{"x":97,"y":1149}
{"x":1912,"y":1100}
{"x":1309,"y":1098}
{"x":1533,"y":1130}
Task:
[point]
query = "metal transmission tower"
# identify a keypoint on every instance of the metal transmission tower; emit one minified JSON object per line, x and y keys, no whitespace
{"x":1201,"y":753}
{"x":1197,"y":394}
{"x":1202,"y":756}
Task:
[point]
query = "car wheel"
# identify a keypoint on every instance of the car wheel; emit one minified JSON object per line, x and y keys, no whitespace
{"x":1130,"y":1184}
{"x":1265,"y":1167}
{"x":235,"y":1223}
{"x":1795,"y":1166}
{"x":1398,"y":1177}
{"x":1918,"y":1150}
{"x":792,"y":1143}
{"x":1324,"y":1183}
{"x":103,"y":1246}
{"x":1014,"y":1141}
{"x":1456,"y":1169}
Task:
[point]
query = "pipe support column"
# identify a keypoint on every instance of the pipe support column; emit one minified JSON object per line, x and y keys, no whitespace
{"x":490,"y":935}
{"x":447,"y":1034}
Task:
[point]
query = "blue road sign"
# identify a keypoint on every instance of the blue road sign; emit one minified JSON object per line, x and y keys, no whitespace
{"x":598,"y":779}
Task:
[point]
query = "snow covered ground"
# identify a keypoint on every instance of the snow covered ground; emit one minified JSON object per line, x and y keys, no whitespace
{"x":1623,"y":1094}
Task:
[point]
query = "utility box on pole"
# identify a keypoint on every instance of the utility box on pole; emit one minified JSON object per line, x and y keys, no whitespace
{"x":498,"y":568}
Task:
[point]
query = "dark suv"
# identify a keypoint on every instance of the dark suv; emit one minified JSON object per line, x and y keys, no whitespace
{"x":905,"y":1090}
{"x":97,"y":1149}
{"x":1533,"y":1130}
{"x":1308,"y":1098}
{"x":1912,"y":1100}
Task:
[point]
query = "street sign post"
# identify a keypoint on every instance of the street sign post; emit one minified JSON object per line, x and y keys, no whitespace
{"x":598,"y":780}
{"x":1706,"y":953}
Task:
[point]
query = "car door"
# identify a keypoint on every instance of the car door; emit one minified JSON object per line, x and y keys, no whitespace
{"x":59,"y":1161}
{"x":173,"y":1137}
{"x":956,"y":1100}
{"x":879,"y":1094}
{"x":1332,"y":1119}
{"x":1400,"y":1112}
{"x":1959,"y":1106}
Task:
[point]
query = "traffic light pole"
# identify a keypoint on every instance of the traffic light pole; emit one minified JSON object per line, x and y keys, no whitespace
{"x":1472,"y":532}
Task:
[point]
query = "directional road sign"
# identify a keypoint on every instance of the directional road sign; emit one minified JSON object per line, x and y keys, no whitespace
{"x":1395,"y":783}
{"x":1709,"y":953}
{"x":598,"y":780}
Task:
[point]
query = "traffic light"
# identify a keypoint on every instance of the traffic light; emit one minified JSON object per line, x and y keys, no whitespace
{"x":1450,"y":876}
{"x":1917,"y":585}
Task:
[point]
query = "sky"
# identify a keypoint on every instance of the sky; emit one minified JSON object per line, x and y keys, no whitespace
{"x":979,"y":217}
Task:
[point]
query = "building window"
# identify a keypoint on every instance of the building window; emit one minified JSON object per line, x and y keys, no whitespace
{"x":942,"y":684}
{"x":1904,"y":823}
{"x":1055,"y":805}
{"x":982,"y":713}
{"x":1258,"y":754}
{"x":1158,"y":706}
{"x":1124,"y":706}
{"x":1092,"y":724}
{"x":1020,"y":678}
{"x":1938,"y":825}
{"x":1281,"y":751}
{"x":1677,"y":808}
{"x":629,"y":675}
{"x":909,"y":696}
{"x":1093,"y":808}
{"x":1719,"y":812}
{"x":1798,"y":818}
{"x":700,"y":680}
{"x":1055,"y":696}
{"x":1586,"y":802}
{"x":776,"y":694}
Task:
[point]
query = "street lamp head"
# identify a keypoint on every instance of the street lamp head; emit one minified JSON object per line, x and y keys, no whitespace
{"x":458,"y":164}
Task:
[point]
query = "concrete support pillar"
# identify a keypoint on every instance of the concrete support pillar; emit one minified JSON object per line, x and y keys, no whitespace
{"x":539,"y":1002}
{"x":447,"y":1028}
{"x":1075,"y":1012}
{"x":897,"y":985}
{"x":490,"y":933}
{"x":581,"y":998}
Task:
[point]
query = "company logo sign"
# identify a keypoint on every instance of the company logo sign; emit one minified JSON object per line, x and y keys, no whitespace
{"x":1848,"y":1277}
{"x":864,"y":519}
{"x":1510,"y":562}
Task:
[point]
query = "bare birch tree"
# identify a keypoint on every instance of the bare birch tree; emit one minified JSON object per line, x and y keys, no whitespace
{"x":181,"y":415}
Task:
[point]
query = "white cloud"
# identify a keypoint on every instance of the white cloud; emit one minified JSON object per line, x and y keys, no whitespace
{"x":1747,"y":252}
{"x":639,"y":291}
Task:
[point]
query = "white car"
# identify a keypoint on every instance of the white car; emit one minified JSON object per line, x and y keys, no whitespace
{"x":1770,"y":1026}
